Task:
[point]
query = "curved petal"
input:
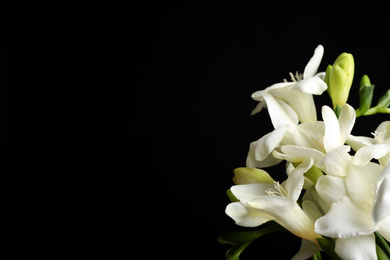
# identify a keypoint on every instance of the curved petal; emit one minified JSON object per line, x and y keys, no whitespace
{"x":345,"y":220}
{"x":266,"y":144}
{"x":346,"y":121}
{"x":381,"y":208}
{"x":336,"y":162}
{"x":312,"y":85}
{"x":357,"y":248}
{"x":384,"y":228}
{"x":288,"y":214}
{"x":332,"y":137}
{"x":384,"y":130}
{"x":294,"y":153}
{"x":357,"y":142}
{"x":294,"y":183}
{"x":313,"y":64}
{"x":248,"y":192}
{"x":311,"y":135}
{"x":280,"y":112}
{"x":251,"y":161}
{"x":244,"y":216}
{"x":331,"y":188}
{"x":258,"y":95}
{"x":366,"y":153}
{"x":361,"y":182}
{"x":311,"y":209}
{"x":307,"y":250}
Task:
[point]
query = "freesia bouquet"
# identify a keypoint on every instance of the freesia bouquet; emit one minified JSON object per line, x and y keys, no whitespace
{"x":336,"y":195}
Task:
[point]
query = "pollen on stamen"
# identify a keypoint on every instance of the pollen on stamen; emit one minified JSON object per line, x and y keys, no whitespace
{"x":278,"y":190}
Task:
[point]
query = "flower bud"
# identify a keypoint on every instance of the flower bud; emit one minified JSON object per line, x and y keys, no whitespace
{"x":341,"y":77}
{"x":245,"y":175}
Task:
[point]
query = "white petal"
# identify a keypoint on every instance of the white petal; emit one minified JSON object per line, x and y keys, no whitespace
{"x":384,"y":130}
{"x":345,"y":220}
{"x":265,"y":145}
{"x":294,"y":153}
{"x":381,"y":209}
{"x":280,"y":112}
{"x":307,"y":250}
{"x":312,"y":85}
{"x":310,"y":135}
{"x":294,"y":182}
{"x":331,"y":188}
{"x":258,"y":95}
{"x":288,"y":214}
{"x":346,"y":120}
{"x":302,"y":103}
{"x":247,"y":192}
{"x":313,"y":64}
{"x":357,"y":248}
{"x":251,"y":161}
{"x":258,"y":108}
{"x":245,"y":216}
{"x":311,"y":209}
{"x":357,"y":142}
{"x":337,"y":162}
{"x":366,"y":153}
{"x":361,"y":182}
{"x":332,"y":138}
{"x":384,"y":228}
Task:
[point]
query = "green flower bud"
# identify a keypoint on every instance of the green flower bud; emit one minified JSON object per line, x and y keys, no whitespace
{"x":366,"y":93}
{"x":245,"y":175}
{"x":340,"y":79}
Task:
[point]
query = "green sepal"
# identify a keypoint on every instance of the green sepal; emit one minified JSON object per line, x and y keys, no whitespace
{"x":231,"y":196}
{"x":239,"y":237}
{"x":380,"y":241}
{"x":366,"y":92}
{"x":234,"y":252}
{"x":313,"y":174}
{"x":337,"y":111}
{"x":327,"y":78}
{"x":384,"y":101}
{"x":328,"y":246}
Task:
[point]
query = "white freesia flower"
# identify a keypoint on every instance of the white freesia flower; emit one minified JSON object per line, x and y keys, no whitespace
{"x":323,"y":142}
{"x":377,"y":147}
{"x":262,"y":202}
{"x":360,"y":206}
{"x":288,"y":102}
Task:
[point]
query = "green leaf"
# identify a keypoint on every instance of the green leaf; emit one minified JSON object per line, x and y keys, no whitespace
{"x":328,"y":246}
{"x":236,"y":238}
{"x":380,"y":241}
{"x":317,"y":256}
{"x":384,"y":101}
{"x":234,"y":252}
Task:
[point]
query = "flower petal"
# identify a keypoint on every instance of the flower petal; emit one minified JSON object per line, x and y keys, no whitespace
{"x":307,"y":250}
{"x":346,"y":121}
{"x":313,"y":64}
{"x":312,"y":85}
{"x":288,"y":214}
{"x":266,"y":144}
{"x":244,"y":216}
{"x":384,"y":228}
{"x":381,"y":207}
{"x":310,"y":134}
{"x":247,"y":192}
{"x":345,"y":220}
{"x":294,"y":153}
{"x":331,"y":188}
{"x":366,"y":153}
{"x":357,"y":248}
{"x":280,"y":112}
{"x":336,"y":162}
{"x":311,"y":209}
{"x":294,"y":182}
{"x":258,"y":95}
{"x":332,"y":138}
{"x":357,"y":142}
{"x":251,"y":161}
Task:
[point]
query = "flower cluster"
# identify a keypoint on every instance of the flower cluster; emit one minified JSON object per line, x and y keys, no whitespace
{"x":336,"y":195}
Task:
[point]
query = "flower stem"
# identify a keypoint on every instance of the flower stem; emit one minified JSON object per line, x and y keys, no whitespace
{"x":382,"y":243}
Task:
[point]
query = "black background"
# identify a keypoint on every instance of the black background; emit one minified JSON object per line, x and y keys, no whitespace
{"x":121,"y":123}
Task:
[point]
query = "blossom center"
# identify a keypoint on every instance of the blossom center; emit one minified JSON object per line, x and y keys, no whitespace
{"x":295,"y":78}
{"x":379,"y":135}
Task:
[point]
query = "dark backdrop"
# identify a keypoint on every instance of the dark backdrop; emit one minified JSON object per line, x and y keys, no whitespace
{"x":121,"y":124}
